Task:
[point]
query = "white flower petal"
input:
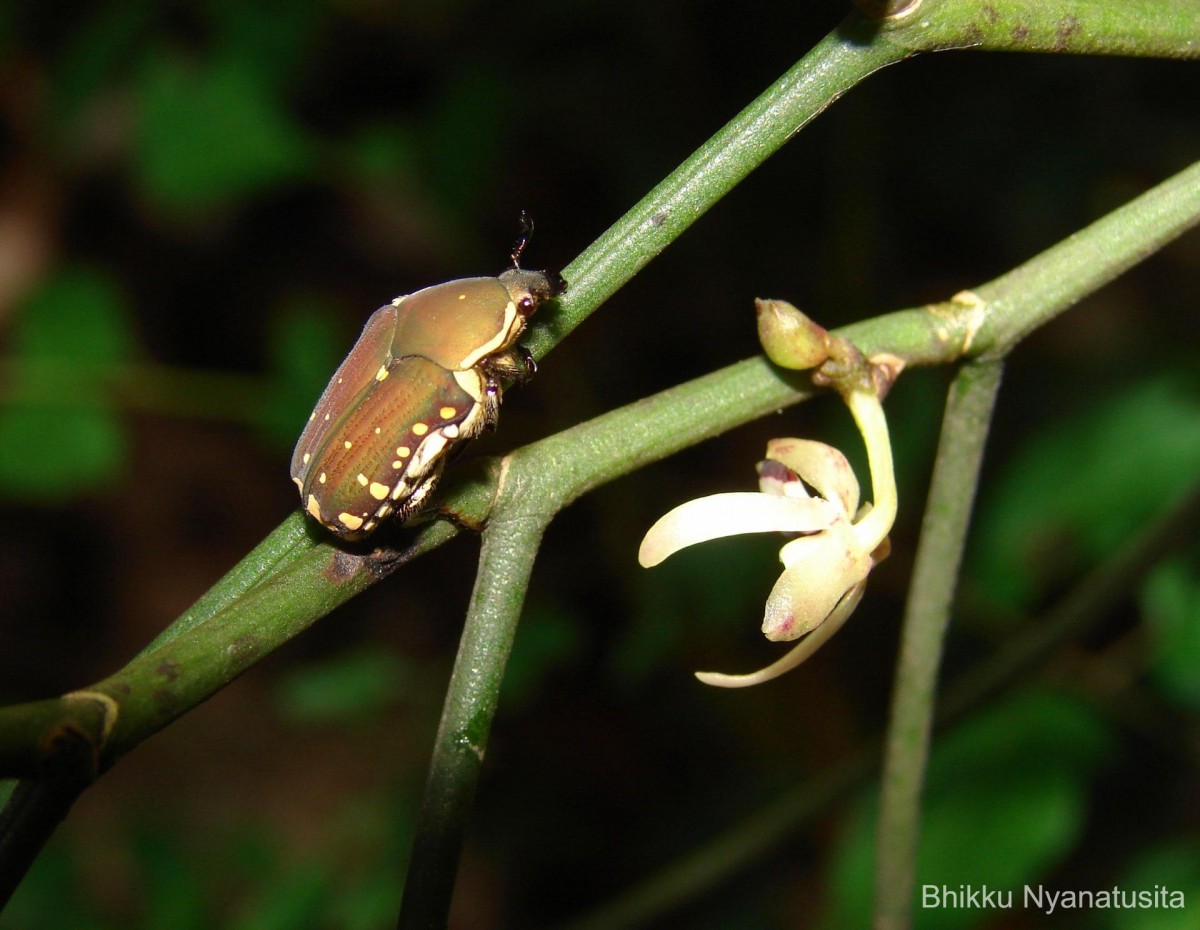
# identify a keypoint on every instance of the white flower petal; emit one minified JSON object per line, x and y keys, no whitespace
{"x":798,"y":653}
{"x":819,"y":570}
{"x":822,"y":466}
{"x":729,"y":515}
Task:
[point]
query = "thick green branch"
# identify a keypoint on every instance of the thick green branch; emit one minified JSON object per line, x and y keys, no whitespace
{"x":1159,"y":28}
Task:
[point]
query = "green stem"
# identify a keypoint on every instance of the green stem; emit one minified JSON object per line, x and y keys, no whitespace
{"x":943,"y":533}
{"x":867,"y":410}
{"x":510,"y":545}
{"x":1160,"y":28}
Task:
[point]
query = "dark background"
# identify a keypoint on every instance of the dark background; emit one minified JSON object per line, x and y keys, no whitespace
{"x":209,"y":200}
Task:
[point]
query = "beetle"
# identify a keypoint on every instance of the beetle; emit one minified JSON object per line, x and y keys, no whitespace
{"x":426,"y":375}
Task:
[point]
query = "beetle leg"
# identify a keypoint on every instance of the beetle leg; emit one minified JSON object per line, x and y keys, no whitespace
{"x":527,"y":362}
{"x":490,"y":402}
{"x":416,"y":498}
{"x":515,"y":366}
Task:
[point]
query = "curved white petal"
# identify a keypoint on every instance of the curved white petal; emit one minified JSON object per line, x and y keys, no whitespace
{"x":798,"y":653}
{"x":819,"y":571}
{"x":729,"y":515}
{"x":822,"y":466}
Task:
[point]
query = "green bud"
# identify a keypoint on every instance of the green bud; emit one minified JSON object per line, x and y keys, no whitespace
{"x":790,"y":339}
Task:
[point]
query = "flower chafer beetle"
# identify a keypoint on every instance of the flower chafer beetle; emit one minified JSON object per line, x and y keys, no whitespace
{"x":425,"y":375}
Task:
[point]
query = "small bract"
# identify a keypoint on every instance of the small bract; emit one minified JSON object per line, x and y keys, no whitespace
{"x":426,"y":374}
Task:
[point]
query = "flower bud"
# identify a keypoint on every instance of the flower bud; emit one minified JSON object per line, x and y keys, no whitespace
{"x":790,"y":339}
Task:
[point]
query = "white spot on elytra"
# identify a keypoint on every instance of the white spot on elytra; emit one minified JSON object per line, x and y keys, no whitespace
{"x":350,"y":521}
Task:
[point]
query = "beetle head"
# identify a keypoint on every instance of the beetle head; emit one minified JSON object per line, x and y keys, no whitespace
{"x":530,"y":288}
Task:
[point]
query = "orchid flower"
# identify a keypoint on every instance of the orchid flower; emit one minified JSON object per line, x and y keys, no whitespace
{"x":825,"y":569}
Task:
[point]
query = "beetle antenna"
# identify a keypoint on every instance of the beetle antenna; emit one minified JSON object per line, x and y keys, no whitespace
{"x":523,"y":239}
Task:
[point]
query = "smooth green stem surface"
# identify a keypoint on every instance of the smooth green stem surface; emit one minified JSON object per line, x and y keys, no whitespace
{"x":509,"y":546}
{"x":965,"y":427}
{"x":1159,"y":28}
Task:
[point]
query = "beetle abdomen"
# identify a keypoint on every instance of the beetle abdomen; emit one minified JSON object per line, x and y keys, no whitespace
{"x":359,"y":462}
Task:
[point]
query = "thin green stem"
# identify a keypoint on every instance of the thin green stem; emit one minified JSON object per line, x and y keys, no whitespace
{"x":510,"y":544}
{"x":872,"y":424}
{"x":965,"y":427}
{"x":1087,"y":603}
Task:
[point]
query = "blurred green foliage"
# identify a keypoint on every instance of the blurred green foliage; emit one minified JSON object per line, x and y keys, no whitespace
{"x":550,"y":642}
{"x":58,"y":442}
{"x":990,"y":817}
{"x":302,"y":349}
{"x":1170,"y":603}
{"x":230,"y":142}
{"x":1079,"y":488}
{"x":343,"y":690}
{"x":1174,"y":865}
{"x":171,"y":875}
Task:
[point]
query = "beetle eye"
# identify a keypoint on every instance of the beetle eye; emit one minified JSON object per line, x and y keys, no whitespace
{"x":528,"y":305}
